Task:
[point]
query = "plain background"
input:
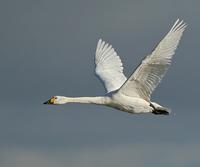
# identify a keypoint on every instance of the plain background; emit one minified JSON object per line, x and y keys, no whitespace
{"x":47,"y":48}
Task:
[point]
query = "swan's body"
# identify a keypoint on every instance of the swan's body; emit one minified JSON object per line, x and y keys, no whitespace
{"x":133,"y":94}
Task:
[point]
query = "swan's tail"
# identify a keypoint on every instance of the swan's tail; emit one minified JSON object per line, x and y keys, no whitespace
{"x":159,"y":110}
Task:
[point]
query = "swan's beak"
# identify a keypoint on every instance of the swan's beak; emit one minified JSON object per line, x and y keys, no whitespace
{"x":47,"y":102}
{"x":50,"y":101}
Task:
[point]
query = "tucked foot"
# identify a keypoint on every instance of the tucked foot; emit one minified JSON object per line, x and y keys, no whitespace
{"x":160,"y":112}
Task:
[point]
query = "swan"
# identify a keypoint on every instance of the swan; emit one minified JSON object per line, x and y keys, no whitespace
{"x":131,"y":95}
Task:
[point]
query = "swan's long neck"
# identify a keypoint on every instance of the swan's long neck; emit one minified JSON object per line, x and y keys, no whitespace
{"x":102,"y":100}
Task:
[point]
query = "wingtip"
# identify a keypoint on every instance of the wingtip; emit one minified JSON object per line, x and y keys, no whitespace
{"x":178,"y":25}
{"x":100,"y":40}
{"x":177,"y":20}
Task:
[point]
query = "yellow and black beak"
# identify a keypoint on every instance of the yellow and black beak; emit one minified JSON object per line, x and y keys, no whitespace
{"x":50,"y":101}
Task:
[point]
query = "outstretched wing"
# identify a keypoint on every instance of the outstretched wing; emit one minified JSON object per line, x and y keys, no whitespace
{"x":152,"y":69}
{"x":109,"y":67}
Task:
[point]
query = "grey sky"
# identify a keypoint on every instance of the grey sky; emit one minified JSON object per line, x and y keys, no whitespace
{"x":47,"y":48}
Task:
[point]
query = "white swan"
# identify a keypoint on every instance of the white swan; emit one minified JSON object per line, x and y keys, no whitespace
{"x":133,"y":94}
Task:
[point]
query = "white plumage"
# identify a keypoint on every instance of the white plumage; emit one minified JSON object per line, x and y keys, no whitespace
{"x":152,"y":69}
{"x":133,"y":94}
{"x":109,"y":67}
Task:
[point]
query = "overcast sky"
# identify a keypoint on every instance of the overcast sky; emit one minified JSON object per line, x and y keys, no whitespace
{"x":47,"y":48}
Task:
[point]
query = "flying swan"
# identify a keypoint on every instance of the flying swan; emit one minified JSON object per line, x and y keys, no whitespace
{"x":131,"y":95}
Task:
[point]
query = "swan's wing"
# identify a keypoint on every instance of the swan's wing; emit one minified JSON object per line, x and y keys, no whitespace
{"x":109,"y":67}
{"x":152,"y":69}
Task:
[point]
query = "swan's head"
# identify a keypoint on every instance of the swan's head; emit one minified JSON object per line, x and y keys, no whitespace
{"x":55,"y":100}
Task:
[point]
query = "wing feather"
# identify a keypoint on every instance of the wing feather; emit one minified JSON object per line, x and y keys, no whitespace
{"x":152,"y":69}
{"x":109,"y":67}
